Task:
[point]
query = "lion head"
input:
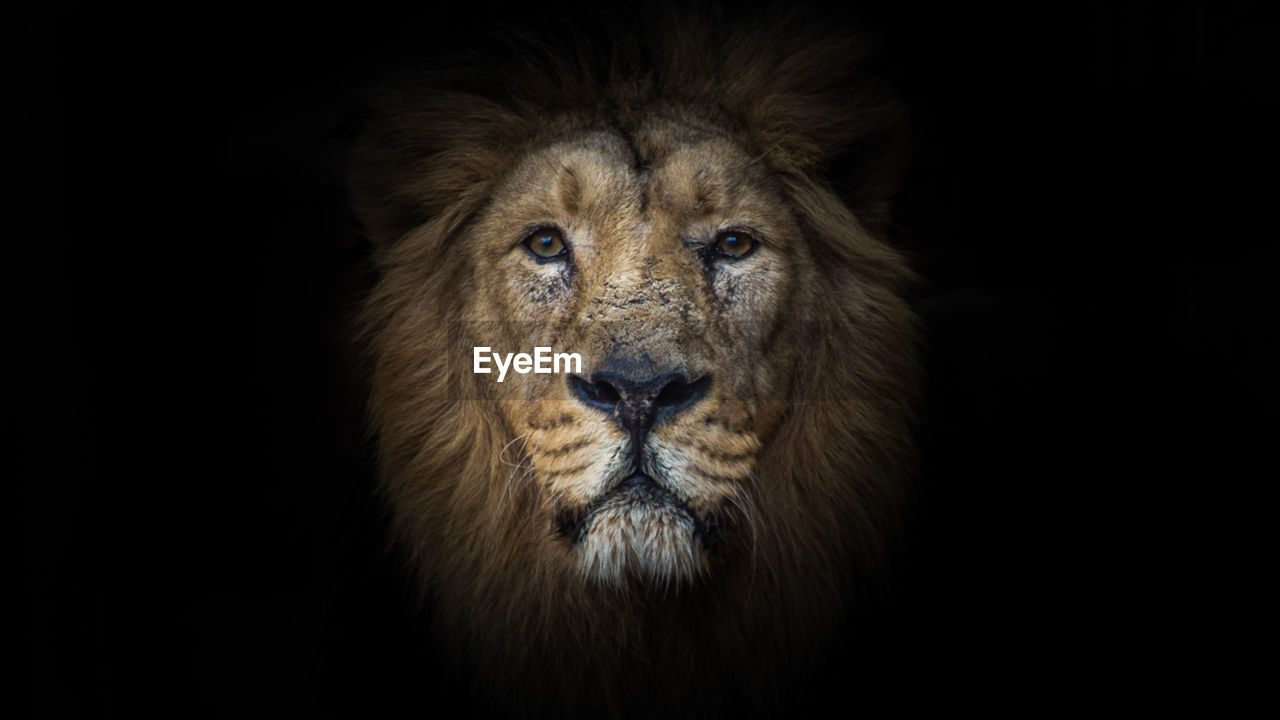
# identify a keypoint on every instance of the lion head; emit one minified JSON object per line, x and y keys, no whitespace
{"x":685,"y":508}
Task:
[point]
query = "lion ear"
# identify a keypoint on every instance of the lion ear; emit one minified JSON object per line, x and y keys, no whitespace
{"x":813,"y":109}
{"x":424,"y":157}
{"x":383,"y":214}
{"x":869,"y":169}
{"x":382,"y":169}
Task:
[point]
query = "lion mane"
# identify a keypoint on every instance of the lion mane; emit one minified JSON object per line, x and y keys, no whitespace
{"x":827,"y":482}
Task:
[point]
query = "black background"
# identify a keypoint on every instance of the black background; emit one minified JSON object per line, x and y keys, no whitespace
{"x":1087,"y":204}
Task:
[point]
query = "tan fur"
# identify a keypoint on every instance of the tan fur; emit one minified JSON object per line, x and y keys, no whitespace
{"x":798,"y":453}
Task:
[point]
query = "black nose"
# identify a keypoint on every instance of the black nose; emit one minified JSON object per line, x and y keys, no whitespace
{"x":639,"y":403}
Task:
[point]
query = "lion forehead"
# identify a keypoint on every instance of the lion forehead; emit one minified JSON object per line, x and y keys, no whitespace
{"x":664,"y":173}
{"x":585,"y":173}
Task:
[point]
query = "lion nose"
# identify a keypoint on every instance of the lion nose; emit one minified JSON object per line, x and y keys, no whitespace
{"x":639,"y":403}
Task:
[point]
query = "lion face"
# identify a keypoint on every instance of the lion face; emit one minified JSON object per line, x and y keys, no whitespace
{"x":691,"y":504}
{"x":666,"y":261}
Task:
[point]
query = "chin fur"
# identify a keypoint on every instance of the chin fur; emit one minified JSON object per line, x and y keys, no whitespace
{"x":640,"y":539}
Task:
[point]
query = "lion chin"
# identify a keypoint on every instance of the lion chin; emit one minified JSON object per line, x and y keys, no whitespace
{"x":675,"y":525}
{"x":638,"y":532}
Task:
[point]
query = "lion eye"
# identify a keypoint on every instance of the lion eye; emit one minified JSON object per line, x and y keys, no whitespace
{"x":734,"y":244}
{"x":546,"y":244}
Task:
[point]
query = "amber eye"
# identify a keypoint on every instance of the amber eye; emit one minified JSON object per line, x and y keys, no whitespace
{"x":734,"y":244}
{"x":545,"y":244}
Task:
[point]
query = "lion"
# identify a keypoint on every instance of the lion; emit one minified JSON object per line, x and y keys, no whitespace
{"x":676,"y":525}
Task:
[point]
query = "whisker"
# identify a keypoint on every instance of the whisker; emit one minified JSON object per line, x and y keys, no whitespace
{"x":761,"y":156}
{"x":502,"y":456}
{"x":746,"y":505}
{"x":526,"y":462}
